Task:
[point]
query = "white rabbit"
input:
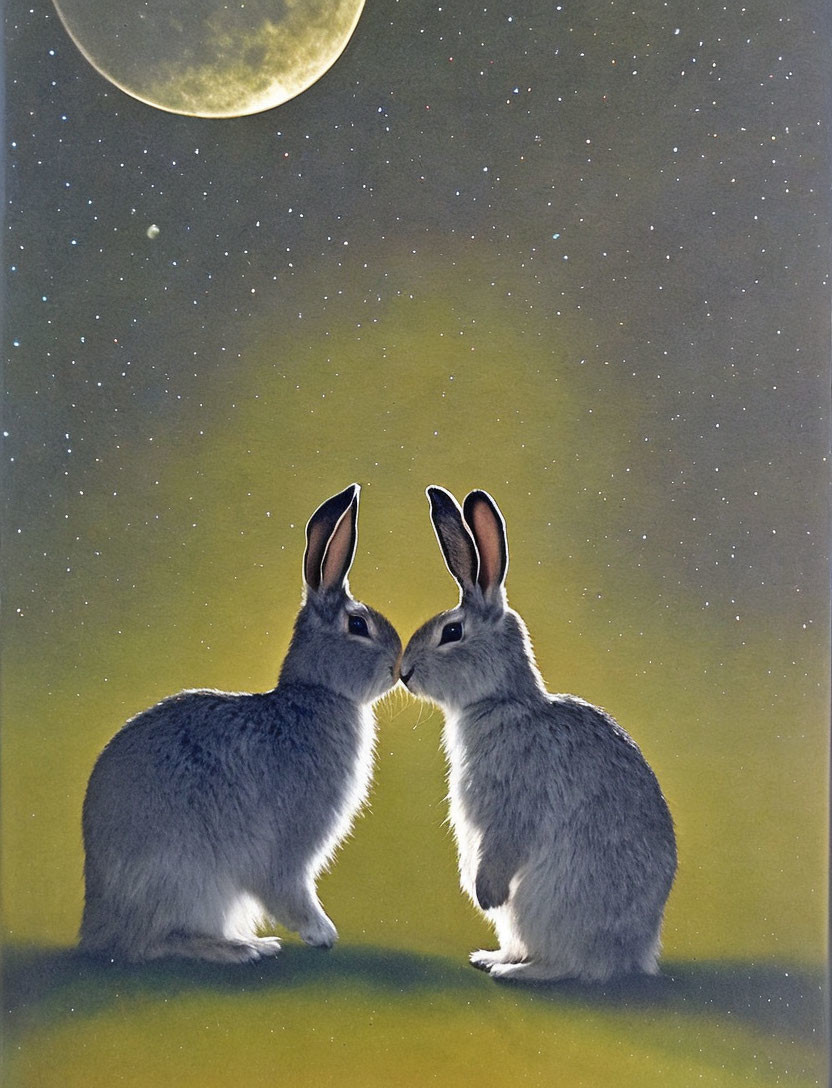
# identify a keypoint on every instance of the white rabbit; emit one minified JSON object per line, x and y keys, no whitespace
{"x":565,"y":840}
{"x":212,"y":812}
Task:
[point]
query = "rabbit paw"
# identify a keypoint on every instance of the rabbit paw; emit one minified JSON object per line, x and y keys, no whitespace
{"x":320,"y":933}
{"x":214,"y":949}
{"x":492,"y":889}
{"x":484,"y":960}
{"x":528,"y":971}
{"x":265,"y":946}
{"x":249,"y":950}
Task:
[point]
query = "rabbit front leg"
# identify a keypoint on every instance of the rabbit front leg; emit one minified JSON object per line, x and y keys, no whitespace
{"x":499,"y":861}
{"x":297,"y":906}
{"x":493,"y":885}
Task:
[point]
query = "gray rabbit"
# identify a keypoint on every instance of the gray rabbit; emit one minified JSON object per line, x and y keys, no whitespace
{"x":212,"y":812}
{"x":565,"y":840}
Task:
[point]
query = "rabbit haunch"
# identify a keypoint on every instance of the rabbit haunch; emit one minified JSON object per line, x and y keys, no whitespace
{"x":564,"y":838}
{"x":212,"y":813}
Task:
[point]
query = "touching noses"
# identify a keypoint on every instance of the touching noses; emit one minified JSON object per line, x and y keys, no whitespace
{"x":405,"y":673}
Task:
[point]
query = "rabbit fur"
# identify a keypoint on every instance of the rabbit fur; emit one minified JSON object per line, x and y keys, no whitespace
{"x":212,"y":812}
{"x":565,"y":840}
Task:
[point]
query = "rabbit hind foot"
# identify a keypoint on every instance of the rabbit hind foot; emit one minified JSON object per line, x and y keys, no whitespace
{"x":529,"y":971}
{"x":215,"y":949}
{"x":485,"y":960}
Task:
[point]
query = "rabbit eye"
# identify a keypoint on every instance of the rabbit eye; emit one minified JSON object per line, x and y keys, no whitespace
{"x":451,"y":632}
{"x":357,"y":625}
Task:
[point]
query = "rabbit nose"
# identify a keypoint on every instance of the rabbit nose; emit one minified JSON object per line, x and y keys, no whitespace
{"x":406,"y":675}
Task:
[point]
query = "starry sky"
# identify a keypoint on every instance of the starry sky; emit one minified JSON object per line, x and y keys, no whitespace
{"x":574,"y":253}
{"x":638,"y":193}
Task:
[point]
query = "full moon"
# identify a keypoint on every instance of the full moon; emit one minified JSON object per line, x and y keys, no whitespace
{"x":206,"y":58}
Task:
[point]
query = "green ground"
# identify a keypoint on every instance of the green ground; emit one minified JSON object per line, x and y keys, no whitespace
{"x":366,"y":1016}
{"x":395,"y":1002}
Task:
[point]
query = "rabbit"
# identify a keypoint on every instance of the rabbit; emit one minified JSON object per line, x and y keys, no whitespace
{"x":565,"y":840}
{"x":213,"y":812}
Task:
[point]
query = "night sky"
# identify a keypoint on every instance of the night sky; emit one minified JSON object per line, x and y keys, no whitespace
{"x":574,"y":253}
{"x":639,"y":191}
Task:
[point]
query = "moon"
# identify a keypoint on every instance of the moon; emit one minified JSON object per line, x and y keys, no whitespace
{"x":206,"y":58}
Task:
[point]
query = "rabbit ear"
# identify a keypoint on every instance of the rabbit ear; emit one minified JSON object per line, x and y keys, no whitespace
{"x":455,"y":540}
{"x":331,"y":537}
{"x":488,"y":527}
